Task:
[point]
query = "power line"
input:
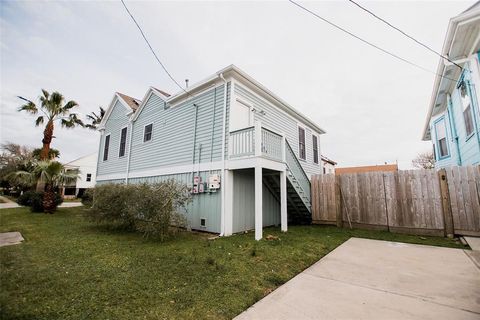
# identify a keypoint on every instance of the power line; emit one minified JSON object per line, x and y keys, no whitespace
{"x":151,"y":49}
{"x":404,"y":33}
{"x":367,"y":42}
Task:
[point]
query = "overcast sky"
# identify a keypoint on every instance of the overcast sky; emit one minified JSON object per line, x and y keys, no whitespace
{"x":372,"y":106}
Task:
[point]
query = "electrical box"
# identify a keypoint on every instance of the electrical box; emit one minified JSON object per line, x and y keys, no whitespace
{"x":214,"y":181}
{"x":197,"y":180}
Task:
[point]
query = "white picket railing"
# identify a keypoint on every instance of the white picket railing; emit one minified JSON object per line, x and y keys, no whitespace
{"x":271,"y":145}
{"x":242,"y":143}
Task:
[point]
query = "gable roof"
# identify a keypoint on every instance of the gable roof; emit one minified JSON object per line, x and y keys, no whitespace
{"x":462,"y":40}
{"x":131,"y":105}
{"x":236,"y":72}
{"x":131,"y":102}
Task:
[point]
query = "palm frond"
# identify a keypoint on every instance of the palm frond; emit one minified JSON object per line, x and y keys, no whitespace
{"x":69,"y":105}
{"x":39,"y":121}
{"x":29,"y":107}
{"x":71,"y":121}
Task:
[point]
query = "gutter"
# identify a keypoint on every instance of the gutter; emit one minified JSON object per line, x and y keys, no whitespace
{"x":130,"y":129}
{"x":223,"y":185}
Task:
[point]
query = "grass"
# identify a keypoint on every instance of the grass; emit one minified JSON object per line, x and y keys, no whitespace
{"x":68,"y":268}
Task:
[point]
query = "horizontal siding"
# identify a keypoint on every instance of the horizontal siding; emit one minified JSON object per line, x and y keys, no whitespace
{"x":281,"y":122}
{"x":173,"y":132}
{"x":113,"y":126}
{"x":469,"y":148}
{"x":203,"y":206}
{"x":244,"y":202}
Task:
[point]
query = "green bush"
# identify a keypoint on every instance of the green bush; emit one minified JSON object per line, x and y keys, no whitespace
{"x":34,"y":200}
{"x":153,"y":209}
{"x":87,"y":198}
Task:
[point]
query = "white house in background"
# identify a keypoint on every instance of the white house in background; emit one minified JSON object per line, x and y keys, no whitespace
{"x":87,"y":165}
{"x":328,"y":165}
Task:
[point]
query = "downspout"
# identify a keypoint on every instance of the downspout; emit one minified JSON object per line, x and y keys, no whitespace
{"x":194,"y":140}
{"x":213,"y":125}
{"x":130,"y":132}
{"x":223,"y":185}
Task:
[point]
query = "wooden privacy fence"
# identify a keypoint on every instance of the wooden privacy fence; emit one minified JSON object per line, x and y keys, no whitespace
{"x":412,"y":201}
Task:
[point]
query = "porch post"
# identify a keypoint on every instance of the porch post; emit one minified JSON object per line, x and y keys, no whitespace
{"x":283,"y":201}
{"x":258,"y":203}
{"x":228,"y":203}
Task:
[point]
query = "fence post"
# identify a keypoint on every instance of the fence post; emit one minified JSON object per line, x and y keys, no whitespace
{"x":338,"y":202}
{"x":446,"y":206}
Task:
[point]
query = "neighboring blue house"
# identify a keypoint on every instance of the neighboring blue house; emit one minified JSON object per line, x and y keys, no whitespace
{"x":453,"y":121}
{"x":246,"y":155}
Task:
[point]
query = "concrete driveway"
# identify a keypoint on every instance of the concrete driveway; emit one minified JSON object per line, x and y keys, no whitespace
{"x":371,"y":279}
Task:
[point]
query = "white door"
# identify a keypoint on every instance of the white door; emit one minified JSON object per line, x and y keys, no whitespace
{"x":240,"y":117}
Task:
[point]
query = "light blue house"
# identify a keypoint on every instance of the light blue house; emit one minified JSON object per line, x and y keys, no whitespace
{"x":245,"y":153}
{"x":453,"y":120}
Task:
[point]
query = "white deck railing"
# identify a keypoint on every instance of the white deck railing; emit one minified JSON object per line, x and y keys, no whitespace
{"x":243,"y":143}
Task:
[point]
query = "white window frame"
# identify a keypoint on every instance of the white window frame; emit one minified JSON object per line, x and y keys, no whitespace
{"x":313,"y":150}
{"x":104,"y":143}
{"x":304,"y":142}
{"x":120,"y":143}
{"x":151,"y":133}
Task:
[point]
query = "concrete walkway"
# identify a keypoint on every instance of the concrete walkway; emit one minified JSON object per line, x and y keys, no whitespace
{"x":10,"y":204}
{"x":371,"y":279}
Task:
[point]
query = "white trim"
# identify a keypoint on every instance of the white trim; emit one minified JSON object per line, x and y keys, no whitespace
{"x":258,"y":203}
{"x":120,"y":142}
{"x":304,"y":142}
{"x":110,"y":108}
{"x":151,"y":134}
{"x":206,"y":166}
{"x":145,"y":100}
{"x":103,"y":149}
{"x":294,"y":119}
{"x":318,"y":150}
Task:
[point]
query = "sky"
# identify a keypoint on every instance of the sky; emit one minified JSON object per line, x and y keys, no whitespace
{"x":372,"y":106}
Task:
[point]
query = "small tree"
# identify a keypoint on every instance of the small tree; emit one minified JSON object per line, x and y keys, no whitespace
{"x":424,"y":160}
{"x":50,"y":173}
{"x":53,"y":109}
{"x":13,"y":158}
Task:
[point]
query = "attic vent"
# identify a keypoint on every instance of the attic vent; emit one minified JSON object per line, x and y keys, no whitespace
{"x":203,"y":222}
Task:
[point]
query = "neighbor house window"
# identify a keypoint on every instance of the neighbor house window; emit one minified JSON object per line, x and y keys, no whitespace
{"x":105,"y":148}
{"x":123,"y":142}
{"x":147,"y":133}
{"x":315,"y":148}
{"x":89,"y":177}
{"x":441,"y":138}
{"x":467,"y":109}
{"x":301,"y":143}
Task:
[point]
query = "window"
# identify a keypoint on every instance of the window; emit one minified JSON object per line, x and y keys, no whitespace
{"x":89,"y":177}
{"x":105,"y":148}
{"x":301,"y":143}
{"x":147,"y":133}
{"x":441,"y":138}
{"x":123,"y":142}
{"x":315,"y":149}
{"x":467,"y":109}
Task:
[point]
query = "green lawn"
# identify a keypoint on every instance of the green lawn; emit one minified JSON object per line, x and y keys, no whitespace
{"x":68,"y":268}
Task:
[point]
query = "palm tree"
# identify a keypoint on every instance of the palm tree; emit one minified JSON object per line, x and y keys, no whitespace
{"x":95,"y":119}
{"x":53,"y":108}
{"x":53,"y":175}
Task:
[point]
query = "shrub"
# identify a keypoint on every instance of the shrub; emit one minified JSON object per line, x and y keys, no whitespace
{"x":153,"y":209}
{"x":87,"y":198}
{"x":26,"y":198}
{"x":34,"y":200}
